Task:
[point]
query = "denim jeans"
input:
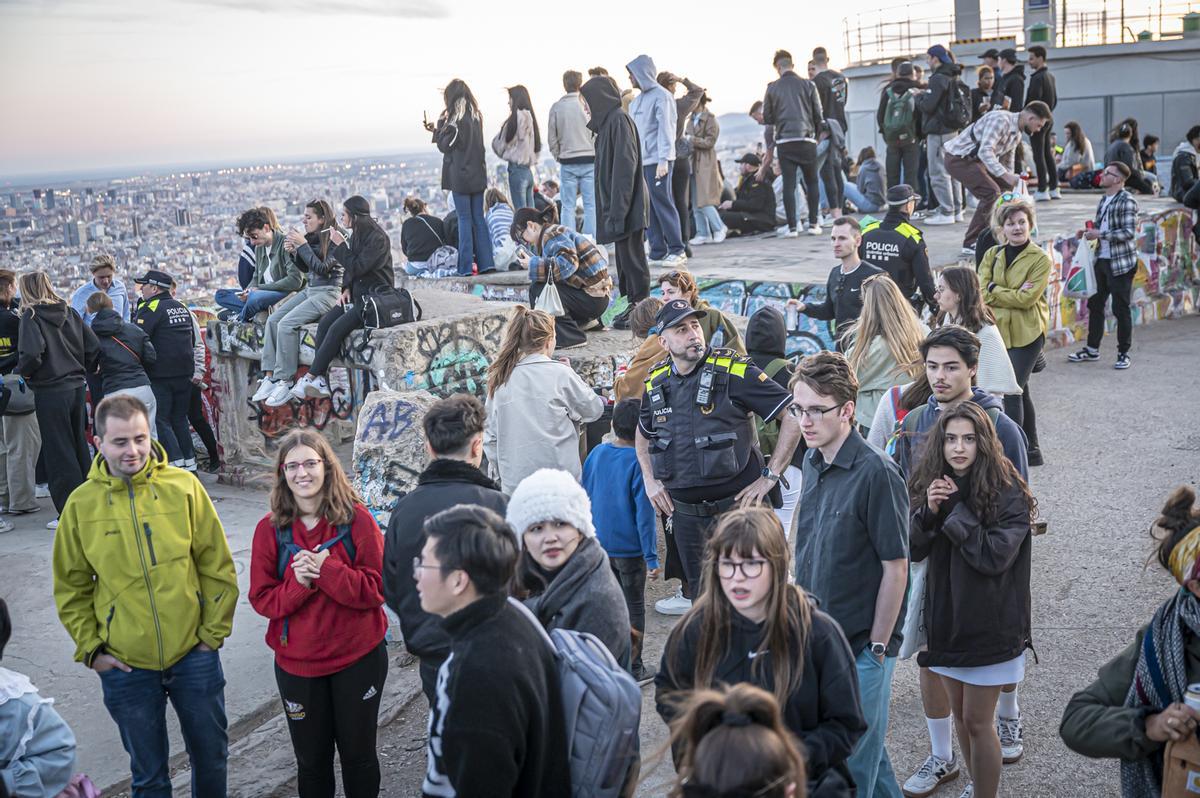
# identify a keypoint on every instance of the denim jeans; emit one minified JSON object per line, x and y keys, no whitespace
{"x":859,"y":199}
{"x":250,"y":307}
{"x":474,"y":240}
{"x":663,"y":220}
{"x":137,"y":702}
{"x":578,"y":179}
{"x":869,"y":764}
{"x":520,"y":185}
{"x":708,"y":221}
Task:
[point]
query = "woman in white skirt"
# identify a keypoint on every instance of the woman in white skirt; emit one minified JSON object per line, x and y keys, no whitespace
{"x":971,"y":523}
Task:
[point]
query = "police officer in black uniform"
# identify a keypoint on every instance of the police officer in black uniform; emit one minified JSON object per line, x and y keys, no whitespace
{"x":897,"y":247}
{"x":169,"y":325}
{"x":695,"y":440}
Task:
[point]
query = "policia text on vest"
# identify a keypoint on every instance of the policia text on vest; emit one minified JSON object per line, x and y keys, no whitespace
{"x":696,"y":442}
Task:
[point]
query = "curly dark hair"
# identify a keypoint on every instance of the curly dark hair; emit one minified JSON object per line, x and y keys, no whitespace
{"x":990,"y":475}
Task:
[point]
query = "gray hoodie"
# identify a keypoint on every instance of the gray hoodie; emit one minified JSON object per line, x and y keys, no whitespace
{"x":653,"y":112}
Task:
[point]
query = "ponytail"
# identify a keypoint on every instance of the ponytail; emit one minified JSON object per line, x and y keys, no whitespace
{"x":527,"y":331}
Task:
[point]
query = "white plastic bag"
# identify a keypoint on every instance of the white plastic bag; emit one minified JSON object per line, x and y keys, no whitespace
{"x":1081,"y":281}
{"x":549,"y":300}
{"x":914,"y":629}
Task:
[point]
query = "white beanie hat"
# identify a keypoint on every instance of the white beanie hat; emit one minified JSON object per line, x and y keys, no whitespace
{"x":549,"y":494}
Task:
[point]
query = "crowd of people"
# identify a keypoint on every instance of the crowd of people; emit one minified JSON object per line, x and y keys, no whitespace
{"x":823,"y":518}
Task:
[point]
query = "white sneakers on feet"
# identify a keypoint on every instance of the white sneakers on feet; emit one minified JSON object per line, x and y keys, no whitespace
{"x":677,"y":261}
{"x":933,"y":773}
{"x":1012,"y":744}
{"x":310,"y":387}
{"x":969,"y":792}
{"x":266,"y":387}
{"x":675,"y":605}
{"x":720,"y":235}
{"x":966,"y":253}
{"x":41,"y":491}
{"x":1055,"y":194}
{"x":1041,"y":196}
{"x":52,"y":524}
{"x":938,"y":217}
{"x":814,"y":230}
{"x":700,"y":241}
{"x":280,"y":395}
{"x":961,"y":216}
{"x":5,"y":526}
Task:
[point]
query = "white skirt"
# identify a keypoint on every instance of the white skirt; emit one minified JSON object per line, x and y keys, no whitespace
{"x":1001,"y":673}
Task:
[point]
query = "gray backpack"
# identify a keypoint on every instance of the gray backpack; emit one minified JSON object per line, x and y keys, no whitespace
{"x":602,"y":705}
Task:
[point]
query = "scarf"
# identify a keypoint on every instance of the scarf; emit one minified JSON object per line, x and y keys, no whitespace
{"x":1159,"y":680}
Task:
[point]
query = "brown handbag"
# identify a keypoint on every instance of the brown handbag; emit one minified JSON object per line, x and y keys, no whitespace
{"x":1181,"y":769}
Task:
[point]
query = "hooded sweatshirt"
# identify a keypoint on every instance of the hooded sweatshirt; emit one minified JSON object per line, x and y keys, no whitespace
{"x":932,"y":101}
{"x":1011,"y":436}
{"x":142,"y":569}
{"x":620,"y":189}
{"x":871,"y":181}
{"x":1183,"y":170}
{"x":766,"y":341}
{"x":55,"y":347}
{"x":125,"y":351}
{"x":1012,"y":86}
{"x":653,"y":112}
{"x":37,"y":747}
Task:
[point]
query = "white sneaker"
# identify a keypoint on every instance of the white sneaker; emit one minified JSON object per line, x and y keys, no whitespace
{"x":933,"y":773}
{"x":313,"y":387}
{"x":1041,"y":196}
{"x":938,"y":217}
{"x":700,"y":241}
{"x":675,"y":605}
{"x":720,"y":235}
{"x":1055,"y":194}
{"x":814,"y":230}
{"x":265,"y":388}
{"x":675,"y":261}
{"x":189,"y":464}
{"x":279,"y":396}
{"x":966,"y":253}
{"x":5,"y":526}
{"x":1012,"y":744}
{"x":961,"y":216}
{"x":52,"y":524}
{"x":781,"y":232}
{"x":787,"y":234}
{"x":969,"y":792}
{"x":655,"y":263}
{"x":826,"y":220}
{"x":41,"y":491}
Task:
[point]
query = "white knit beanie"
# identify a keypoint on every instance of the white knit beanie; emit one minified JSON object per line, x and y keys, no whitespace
{"x":549,"y":494}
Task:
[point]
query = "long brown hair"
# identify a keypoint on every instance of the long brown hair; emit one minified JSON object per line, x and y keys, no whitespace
{"x":37,"y":290}
{"x":324,"y":210}
{"x":743,"y":532}
{"x":338,"y":496}
{"x":1076,"y":137}
{"x":527,"y":331}
{"x":991,"y":473}
{"x":886,"y":314}
{"x":732,"y":739}
{"x":972,"y":313}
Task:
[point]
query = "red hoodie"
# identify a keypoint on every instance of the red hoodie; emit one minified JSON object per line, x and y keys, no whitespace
{"x":340,"y":620}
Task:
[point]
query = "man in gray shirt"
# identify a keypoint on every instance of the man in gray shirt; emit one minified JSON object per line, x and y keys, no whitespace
{"x":852,"y":547}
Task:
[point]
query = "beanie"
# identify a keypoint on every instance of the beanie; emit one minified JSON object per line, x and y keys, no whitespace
{"x":358,"y":206}
{"x":549,"y":494}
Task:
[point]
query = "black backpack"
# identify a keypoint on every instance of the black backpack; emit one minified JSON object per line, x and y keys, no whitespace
{"x":387,"y":306}
{"x":956,"y":106}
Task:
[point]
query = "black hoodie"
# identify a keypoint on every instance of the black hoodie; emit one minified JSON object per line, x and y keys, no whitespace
{"x":56,"y":347}
{"x":1012,"y":86}
{"x":620,"y":189}
{"x":932,"y":103}
{"x":366,"y":258}
{"x":125,"y":351}
{"x":766,"y":341}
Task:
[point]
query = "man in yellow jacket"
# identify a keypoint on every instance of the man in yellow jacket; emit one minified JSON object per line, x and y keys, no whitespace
{"x":146,"y":587}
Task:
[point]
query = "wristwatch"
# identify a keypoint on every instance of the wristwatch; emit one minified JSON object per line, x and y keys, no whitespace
{"x":767,"y":473}
{"x":878,"y":649}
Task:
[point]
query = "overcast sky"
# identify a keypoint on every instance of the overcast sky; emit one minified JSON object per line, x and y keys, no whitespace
{"x":93,"y":84}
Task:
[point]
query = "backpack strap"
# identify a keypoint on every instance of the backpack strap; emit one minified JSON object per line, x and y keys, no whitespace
{"x":286,"y":548}
{"x":775,"y":366}
{"x":441,"y":240}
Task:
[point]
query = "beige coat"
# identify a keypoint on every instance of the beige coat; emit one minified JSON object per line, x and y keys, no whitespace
{"x":705,"y":131}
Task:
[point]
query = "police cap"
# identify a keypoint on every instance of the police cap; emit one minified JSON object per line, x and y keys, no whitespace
{"x":675,"y":312}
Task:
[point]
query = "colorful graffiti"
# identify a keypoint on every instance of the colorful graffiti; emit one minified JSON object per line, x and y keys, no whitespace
{"x":275,"y":422}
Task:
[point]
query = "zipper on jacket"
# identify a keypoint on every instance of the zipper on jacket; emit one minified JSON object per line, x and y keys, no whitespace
{"x":108,"y":623}
{"x":150,"y":543}
{"x":146,"y":578}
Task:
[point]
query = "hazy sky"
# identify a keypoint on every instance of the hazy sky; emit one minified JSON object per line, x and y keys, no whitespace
{"x":112,"y":83}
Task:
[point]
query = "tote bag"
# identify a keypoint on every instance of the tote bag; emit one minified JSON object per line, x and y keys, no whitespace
{"x":549,"y":300}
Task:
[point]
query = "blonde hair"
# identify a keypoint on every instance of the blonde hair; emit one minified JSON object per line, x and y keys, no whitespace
{"x":888,"y":314}
{"x":527,"y":331}
{"x":271,"y":217}
{"x":1003,"y":210}
{"x":103,"y":261}
{"x":36,"y":290}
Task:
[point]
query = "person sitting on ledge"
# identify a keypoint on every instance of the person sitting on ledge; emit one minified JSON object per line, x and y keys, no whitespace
{"x":275,"y":272}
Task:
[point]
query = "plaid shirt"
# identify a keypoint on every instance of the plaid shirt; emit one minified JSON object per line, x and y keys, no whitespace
{"x":568,"y":257}
{"x":993,"y":139}
{"x":1117,"y":223}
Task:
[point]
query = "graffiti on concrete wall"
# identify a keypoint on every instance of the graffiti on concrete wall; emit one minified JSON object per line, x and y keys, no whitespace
{"x":275,"y":422}
{"x":453,"y":357}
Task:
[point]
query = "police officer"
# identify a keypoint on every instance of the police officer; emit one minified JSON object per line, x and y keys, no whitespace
{"x":695,"y":440}
{"x":169,"y":325}
{"x":897,"y":247}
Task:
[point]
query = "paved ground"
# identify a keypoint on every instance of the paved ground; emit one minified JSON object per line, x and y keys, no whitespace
{"x":1115,"y":444}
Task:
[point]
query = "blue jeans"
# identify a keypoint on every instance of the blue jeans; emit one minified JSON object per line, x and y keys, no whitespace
{"x":663,"y":227}
{"x":256,"y":302}
{"x":520,"y":185}
{"x":708,"y":221}
{"x":474,"y":240}
{"x":869,"y":764}
{"x":859,"y":199}
{"x":137,"y":701}
{"x":578,"y":179}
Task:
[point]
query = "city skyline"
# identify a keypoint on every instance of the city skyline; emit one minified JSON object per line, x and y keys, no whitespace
{"x":203,"y":83}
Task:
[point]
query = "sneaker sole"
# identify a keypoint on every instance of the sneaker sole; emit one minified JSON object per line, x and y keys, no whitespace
{"x":670,"y":612}
{"x":1082,"y":359}
{"x":1122,"y":368}
{"x":949,"y":777}
{"x":1010,"y":760}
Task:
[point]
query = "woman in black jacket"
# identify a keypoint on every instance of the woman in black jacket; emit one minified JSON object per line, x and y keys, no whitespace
{"x":459,"y":136}
{"x":971,"y":518}
{"x":125,"y":351}
{"x":56,"y":350}
{"x":367,"y":262}
{"x":749,"y":625}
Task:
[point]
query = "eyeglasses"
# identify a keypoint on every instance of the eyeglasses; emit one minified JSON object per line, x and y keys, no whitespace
{"x":307,"y":465}
{"x":418,"y":565}
{"x":751,"y":569}
{"x":812,"y":413}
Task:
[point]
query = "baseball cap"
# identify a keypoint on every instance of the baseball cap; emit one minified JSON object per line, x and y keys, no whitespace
{"x":675,"y":312}
{"x":154,"y":277}
{"x":905,"y":70}
{"x":940,"y":53}
{"x":899,"y":195}
{"x":992,"y":53}
{"x":1010,"y":55}
{"x":750,"y":158}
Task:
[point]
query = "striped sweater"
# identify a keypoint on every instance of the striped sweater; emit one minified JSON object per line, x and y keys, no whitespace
{"x":566,"y":256}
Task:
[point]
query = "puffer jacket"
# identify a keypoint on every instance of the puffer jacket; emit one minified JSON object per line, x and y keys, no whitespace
{"x":125,"y":351}
{"x":142,"y":569}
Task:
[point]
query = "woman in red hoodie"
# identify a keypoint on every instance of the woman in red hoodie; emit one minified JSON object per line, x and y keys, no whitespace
{"x":315,"y":572}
